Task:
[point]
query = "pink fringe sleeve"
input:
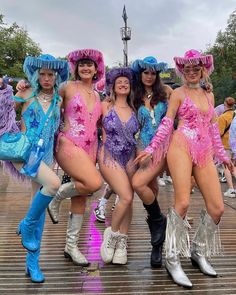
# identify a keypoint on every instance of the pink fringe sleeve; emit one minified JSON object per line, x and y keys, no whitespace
{"x":161,"y":140}
{"x":220,"y":154}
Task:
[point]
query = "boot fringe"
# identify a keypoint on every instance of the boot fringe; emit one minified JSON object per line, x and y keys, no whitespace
{"x":177,"y":236}
{"x":207,"y":236}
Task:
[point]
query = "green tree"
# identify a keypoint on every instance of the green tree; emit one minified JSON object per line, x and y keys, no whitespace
{"x":15,"y":45}
{"x":224,"y":52}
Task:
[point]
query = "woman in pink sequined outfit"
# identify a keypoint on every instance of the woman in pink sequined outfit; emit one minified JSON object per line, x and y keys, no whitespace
{"x":191,"y":149}
{"x":77,"y":144}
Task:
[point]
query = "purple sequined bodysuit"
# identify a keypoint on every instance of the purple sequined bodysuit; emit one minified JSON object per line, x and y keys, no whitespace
{"x":120,"y":143}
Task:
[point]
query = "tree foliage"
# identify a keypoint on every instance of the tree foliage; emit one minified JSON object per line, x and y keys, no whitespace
{"x":15,"y":45}
{"x":224,"y":52}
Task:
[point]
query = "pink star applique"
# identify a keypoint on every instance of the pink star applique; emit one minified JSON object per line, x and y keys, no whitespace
{"x":79,"y":120}
{"x":78,"y":108}
{"x":88,"y":142}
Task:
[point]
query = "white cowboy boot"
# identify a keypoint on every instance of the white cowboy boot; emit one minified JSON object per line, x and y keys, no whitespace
{"x":71,"y":249}
{"x":177,"y":243}
{"x":206,"y":241}
{"x":66,"y":190}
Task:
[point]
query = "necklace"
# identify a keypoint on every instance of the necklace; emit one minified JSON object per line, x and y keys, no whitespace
{"x":149,"y":95}
{"x":44,"y":97}
{"x":193,"y":85}
{"x":89,"y":91}
{"x":122,"y":107}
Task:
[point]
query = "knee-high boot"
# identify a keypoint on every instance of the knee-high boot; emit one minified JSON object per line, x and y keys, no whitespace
{"x":32,"y":258}
{"x":66,"y":190}
{"x":28,"y":225}
{"x":206,"y":242}
{"x":176,"y":244}
{"x":157,"y":226}
{"x":71,"y":249}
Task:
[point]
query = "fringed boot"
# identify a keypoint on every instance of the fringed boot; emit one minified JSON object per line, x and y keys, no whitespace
{"x":66,"y":190}
{"x":71,"y":249}
{"x":176,"y":244}
{"x":206,"y":242}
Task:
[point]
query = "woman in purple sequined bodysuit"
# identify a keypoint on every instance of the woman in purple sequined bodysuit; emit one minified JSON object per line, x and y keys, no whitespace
{"x":116,"y":157}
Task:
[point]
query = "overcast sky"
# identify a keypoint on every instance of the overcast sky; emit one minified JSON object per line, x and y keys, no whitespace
{"x":162,"y":28}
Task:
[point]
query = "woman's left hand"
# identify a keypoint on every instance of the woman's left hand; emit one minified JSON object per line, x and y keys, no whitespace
{"x":229,"y":165}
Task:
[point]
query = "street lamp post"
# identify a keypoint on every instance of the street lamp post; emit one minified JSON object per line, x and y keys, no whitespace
{"x":125,"y":36}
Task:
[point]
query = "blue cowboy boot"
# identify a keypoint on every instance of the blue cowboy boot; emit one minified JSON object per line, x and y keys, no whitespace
{"x":32,"y":258}
{"x":28,"y":225}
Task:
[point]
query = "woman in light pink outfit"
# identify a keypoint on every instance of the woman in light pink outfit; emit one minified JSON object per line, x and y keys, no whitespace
{"x":191,"y":149}
{"x":77,"y":144}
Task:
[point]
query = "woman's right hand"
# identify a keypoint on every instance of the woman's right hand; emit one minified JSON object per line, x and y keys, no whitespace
{"x":143,"y":158}
{"x":22,"y":85}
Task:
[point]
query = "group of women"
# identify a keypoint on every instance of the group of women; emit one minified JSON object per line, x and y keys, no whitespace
{"x":138,"y":103}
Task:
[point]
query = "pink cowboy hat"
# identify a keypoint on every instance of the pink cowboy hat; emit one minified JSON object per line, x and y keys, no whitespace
{"x":194,"y":57}
{"x":92,"y":54}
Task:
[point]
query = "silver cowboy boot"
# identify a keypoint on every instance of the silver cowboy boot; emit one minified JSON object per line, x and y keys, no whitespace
{"x":206,"y":241}
{"x":66,"y":190}
{"x":71,"y":249}
{"x":176,"y":244}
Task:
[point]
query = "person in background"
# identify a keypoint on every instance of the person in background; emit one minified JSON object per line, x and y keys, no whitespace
{"x":224,"y":122}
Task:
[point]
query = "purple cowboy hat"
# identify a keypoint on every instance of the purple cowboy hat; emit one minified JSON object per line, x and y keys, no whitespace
{"x":93,"y":54}
{"x":194,"y":57}
{"x":115,"y":73}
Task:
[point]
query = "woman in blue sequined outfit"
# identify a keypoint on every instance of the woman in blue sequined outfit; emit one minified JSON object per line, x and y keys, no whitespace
{"x":150,"y":101}
{"x":40,"y":105}
{"x":115,"y":159}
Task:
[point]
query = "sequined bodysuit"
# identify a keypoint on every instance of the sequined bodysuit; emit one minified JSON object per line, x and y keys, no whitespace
{"x":120,"y":143}
{"x":149,"y":122}
{"x":193,"y":132}
{"x":32,"y":117}
{"x":83,"y":124}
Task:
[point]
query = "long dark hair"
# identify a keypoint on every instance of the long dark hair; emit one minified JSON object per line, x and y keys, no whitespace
{"x":158,"y":89}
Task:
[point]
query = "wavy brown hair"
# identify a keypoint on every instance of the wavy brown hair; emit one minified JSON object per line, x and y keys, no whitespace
{"x":158,"y":89}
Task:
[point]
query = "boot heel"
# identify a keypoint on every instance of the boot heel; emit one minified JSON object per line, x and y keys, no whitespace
{"x":194,"y":263}
{"x":18,"y":230}
{"x":66,"y":255}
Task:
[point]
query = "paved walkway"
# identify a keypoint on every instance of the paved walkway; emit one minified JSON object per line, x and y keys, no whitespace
{"x":134,"y":278}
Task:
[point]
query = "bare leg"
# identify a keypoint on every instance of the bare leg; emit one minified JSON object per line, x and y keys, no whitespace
{"x":77,"y":163}
{"x":209,"y":185}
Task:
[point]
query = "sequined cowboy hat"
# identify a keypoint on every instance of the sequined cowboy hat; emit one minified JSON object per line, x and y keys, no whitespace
{"x":91,"y":54}
{"x":149,"y":63}
{"x":46,"y":61}
{"x":115,"y":73}
{"x":194,"y":57}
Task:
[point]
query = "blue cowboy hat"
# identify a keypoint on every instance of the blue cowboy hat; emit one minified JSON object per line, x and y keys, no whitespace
{"x":149,"y":63}
{"x":46,"y":61}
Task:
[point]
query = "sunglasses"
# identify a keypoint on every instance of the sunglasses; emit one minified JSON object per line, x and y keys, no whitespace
{"x":194,"y":70}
